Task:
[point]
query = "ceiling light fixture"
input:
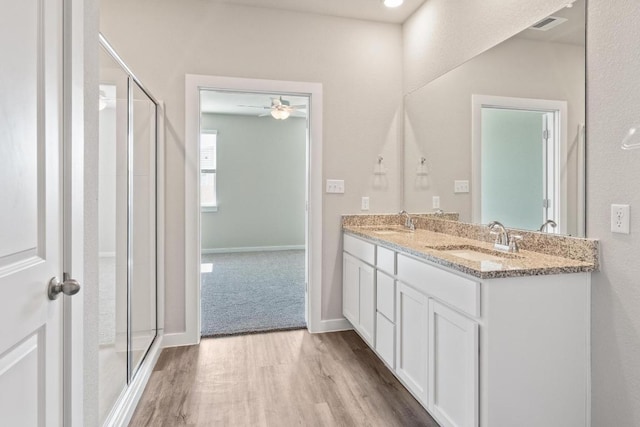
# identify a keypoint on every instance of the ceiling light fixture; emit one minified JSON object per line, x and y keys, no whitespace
{"x":393,"y":3}
{"x":280,"y":114}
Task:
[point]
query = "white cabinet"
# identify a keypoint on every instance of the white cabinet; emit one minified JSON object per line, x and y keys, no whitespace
{"x":453,"y":367}
{"x":412,"y":310}
{"x":358,"y":296}
{"x":430,"y":324}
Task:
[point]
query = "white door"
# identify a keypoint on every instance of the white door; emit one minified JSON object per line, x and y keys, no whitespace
{"x":30,"y":217}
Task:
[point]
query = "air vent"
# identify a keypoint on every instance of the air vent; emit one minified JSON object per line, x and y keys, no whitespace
{"x":548,"y":23}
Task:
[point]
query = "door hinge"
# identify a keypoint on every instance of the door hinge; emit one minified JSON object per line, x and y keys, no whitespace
{"x":546,"y":203}
{"x":545,"y":134}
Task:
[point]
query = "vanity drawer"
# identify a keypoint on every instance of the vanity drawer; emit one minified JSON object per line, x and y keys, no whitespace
{"x":359,"y":249}
{"x":457,"y":291}
{"x":386,"y":260}
{"x":385,"y":295}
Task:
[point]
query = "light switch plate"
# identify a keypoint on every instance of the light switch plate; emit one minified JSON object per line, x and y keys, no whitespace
{"x":435,"y":202}
{"x":620,"y":219}
{"x":461,"y":186}
{"x":335,"y":186}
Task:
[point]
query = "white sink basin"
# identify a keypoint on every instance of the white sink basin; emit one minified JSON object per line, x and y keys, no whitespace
{"x":475,"y":256}
{"x":474,"y":253}
{"x":388,"y":231}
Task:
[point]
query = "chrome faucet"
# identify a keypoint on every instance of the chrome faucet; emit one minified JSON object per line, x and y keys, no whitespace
{"x":550,"y":222}
{"x":502,"y":235}
{"x":504,"y":241}
{"x":408,"y":222}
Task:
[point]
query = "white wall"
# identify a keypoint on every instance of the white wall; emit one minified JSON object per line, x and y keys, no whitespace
{"x":613,"y":176}
{"x":261,"y":175}
{"x":438,"y":116}
{"x":359,"y":64}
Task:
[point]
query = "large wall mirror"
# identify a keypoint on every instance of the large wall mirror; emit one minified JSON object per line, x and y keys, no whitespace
{"x":510,"y":123}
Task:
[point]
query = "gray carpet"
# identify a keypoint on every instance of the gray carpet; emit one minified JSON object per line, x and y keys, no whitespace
{"x":252,"y":292}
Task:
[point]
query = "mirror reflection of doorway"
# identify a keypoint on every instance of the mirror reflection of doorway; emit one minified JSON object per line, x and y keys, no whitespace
{"x":517,"y":167}
{"x":253,"y":190}
{"x":518,"y":159}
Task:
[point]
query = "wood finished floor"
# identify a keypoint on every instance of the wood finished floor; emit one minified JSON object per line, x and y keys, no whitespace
{"x":279,"y":379}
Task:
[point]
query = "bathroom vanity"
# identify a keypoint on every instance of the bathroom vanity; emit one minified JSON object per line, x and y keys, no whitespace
{"x":480,"y":337}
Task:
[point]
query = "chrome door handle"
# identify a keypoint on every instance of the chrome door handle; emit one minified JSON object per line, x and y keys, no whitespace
{"x":68,"y":287}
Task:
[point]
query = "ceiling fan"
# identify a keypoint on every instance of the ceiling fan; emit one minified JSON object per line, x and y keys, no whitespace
{"x":280,"y":109}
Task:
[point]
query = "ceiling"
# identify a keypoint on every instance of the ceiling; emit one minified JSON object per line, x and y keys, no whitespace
{"x":570,"y":32}
{"x":220,"y":102}
{"x":371,"y":10}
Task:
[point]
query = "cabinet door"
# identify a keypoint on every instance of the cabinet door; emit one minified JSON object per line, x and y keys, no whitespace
{"x":412,"y":311}
{"x":367,"y":304}
{"x":453,"y":367}
{"x":385,"y":340}
{"x":351,"y":289}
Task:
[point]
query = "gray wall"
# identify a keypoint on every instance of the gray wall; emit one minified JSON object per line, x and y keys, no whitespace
{"x":359,"y":64}
{"x":261,"y":184}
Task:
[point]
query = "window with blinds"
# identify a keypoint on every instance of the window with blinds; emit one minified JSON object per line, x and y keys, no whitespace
{"x":208,"y":160}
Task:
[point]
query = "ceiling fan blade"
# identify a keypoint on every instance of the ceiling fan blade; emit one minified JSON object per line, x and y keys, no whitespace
{"x":264,"y":115}
{"x":254,"y":106}
{"x":299,"y":107}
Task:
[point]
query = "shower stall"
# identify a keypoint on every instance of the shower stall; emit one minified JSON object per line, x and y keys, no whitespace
{"x":129,"y":325}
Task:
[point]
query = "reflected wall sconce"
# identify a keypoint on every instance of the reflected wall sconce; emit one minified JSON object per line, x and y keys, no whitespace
{"x":379,"y":169}
{"x":423,"y":169}
{"x":632,"y":140}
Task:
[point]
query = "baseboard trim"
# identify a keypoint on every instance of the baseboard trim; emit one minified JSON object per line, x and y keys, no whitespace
{"x":179,"y":339}
{"x":331,"y":325}
{"x":252,"y":249}
{"x":124,"y":408}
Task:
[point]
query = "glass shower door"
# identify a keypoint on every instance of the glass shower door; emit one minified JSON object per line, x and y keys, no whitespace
{"x":112,"y":232}
{"x":142,"y":220}
{"x":127,"y":228}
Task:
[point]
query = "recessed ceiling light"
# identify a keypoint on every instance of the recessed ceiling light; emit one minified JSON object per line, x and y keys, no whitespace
{"x":569,"y":5}
{"x":393,"y":3}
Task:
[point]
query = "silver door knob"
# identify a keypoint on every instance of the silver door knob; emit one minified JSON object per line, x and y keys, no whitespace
{"x":68,"y":287}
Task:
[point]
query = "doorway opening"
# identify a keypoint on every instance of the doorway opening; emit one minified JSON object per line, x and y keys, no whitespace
{"x":253,"y":180}
{"x":519,"y":153}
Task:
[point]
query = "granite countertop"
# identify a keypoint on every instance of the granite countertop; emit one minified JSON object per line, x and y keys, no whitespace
{"x":432,"y":246}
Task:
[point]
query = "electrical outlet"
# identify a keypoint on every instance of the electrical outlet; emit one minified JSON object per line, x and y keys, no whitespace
{"x":365,"y":204}
{"x":620,"y":219}
{"x":435,"y":202}
{"x":335,"y":186}
{"x":460,"y":186}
